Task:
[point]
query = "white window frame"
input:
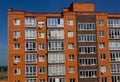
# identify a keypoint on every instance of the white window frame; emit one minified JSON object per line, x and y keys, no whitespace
{"x":55,"y":22}
{"x":71,"y":57}
{"x":56,"y":58}
{"x":114,"y":56}
{"x":31,"y":80}
{"x":41,"y":46}
{"x":70,"y":22}
{"x":86,"y":26}
{"x":31,"y":58}
{"x":115,"y":67}
{"x":55,"y":46}
{"x":18,"y":71}
{"x":70,"y":45}
{"x":84,"y":75}
{"x":42,"y":68}
{"x":86,"y":38}
{"x":102,"y":45}
{"x":16,"y":21}
{"x":72,"y":80}
{"x":55,"y":34}
{"x":17,"y":46}
{"x":114,"y":22}
{"x":41,"y":24}
{"x":71,"y":69}
{"x":114,"y":45}
{"x":16,"y":34}
{"x":56,"y":79}
{"x":56,"y":70}
{"x":104,"y":79}
{"x":31,"y":67}
{"x":41,"y":35}
{"x":102,"y":56}
{"x":101,"y":33}
{"x":30,"y":34}
{"x":30,"y":22}
{"x":115,"y":78}
{"x":70,"y":34}
{"x":42,"y":80}
{"x":103,"y":69}
{"x":41,"y":58}
{"x":31,"y":46}
{"x":114,"y":33}
{"x":88,"y":61}
{"x":17,"y":59}
{"x":91,"y":48}
{"x":101,"y":22}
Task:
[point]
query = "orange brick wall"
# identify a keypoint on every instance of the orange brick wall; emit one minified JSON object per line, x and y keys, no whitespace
{"x":106,"y":62}
{"x":11,"y":51}
{"x":68,"y":16}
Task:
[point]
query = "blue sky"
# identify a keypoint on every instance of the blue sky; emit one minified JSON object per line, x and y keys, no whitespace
{"x":55,"y":6}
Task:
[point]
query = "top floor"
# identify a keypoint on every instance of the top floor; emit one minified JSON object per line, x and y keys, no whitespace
{"x":57,"y":19}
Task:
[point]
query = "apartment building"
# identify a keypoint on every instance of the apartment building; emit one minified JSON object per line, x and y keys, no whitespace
{"x":76,"y":45}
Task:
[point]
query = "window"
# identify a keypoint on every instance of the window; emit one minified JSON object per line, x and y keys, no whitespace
{"x":31,"y":80}
{"x":115,"y":78}
{"x":56,"y":58}
{"x":86,"y":26}
{"x":16,"y":58}
{"x":17,"y":71}
{"x":16,"y":46}
{"x":41,"y":35}
{"x":101,"y":33}
{"x":103,"y":69}
{"x":70,"y":34}
{"x":102,"y":45}
{"x":70,"y":45}
{"x":31,"y":71}
{"x":16,"y":34}
{"x":41,"y":46}
{"x":30,"y":34}
{"x":88,"y":61}
{"x":41,"y":58}
{"x":16,"y":22}
{"x":88,"y":74}
{"x":55,"y":46}
{"x":101,"y":22}
{"x":17,"y":81}
{"x":70,"y":22}
{"x":42,"y":80}
{"x":30,"y":22}
{"x":72,"y":80}
{"x":56,"y":70}
{"x":114,"y":45}
{"x":115,"y":67}
{"x":114,"y":34}
{"x":55,"y":22}
{"x":42,"y":69}
{"x":30,"y":46}
{"x":104,"y":79}
{"x":41,"y":24}
{"x":55,"y":33}
{"x":56,"y":79}
{"x":86,"y":38}
{"x":115,"y":56}
{"x":87,"y":49}
{"x":102,"y":56}
{"x":31,"y":58}
{"x":114,"y":22}
{"x":71,"y":57}
{"x":71,"y":69}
